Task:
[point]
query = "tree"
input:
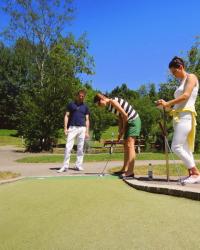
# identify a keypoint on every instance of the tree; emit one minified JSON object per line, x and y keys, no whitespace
{"x":149,"y":115}
{"x":41,"y":22}
{"x":166,"y":90}
{"x":123,"y":92}
{"x":193,"y":66}
{"x":8,"y":91}
{"x":193,"y":59}
{"x":66,"y":59}
{"x":142,"y":91}
{"x":152,"y":92}
{"x":54,"y":64}
{"x":100,"y":119}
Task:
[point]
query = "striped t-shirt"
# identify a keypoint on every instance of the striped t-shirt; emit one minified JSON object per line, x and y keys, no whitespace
{"x":130,"y":111}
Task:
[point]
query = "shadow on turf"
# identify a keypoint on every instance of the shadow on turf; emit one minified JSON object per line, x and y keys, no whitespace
{"x":57,"y":168}
{"x":77,"y":172}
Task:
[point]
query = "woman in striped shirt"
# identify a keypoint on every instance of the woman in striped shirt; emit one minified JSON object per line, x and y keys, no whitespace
{"x":129,"y":126}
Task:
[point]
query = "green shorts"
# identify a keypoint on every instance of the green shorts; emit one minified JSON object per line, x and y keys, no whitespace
{"x":133,"y":128}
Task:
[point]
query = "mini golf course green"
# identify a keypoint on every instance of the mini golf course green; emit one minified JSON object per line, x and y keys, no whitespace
{"x":93,"y":213}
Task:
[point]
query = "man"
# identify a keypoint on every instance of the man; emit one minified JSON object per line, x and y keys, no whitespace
{"x":76,"y":125}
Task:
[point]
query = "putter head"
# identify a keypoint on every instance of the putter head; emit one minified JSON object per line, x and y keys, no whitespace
{"x":182,"y":182}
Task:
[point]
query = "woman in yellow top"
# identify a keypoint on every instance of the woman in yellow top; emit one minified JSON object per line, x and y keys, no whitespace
{"x":184,"y":121}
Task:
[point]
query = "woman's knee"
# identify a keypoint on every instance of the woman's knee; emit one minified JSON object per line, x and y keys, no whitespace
{"x":176,"y":148}
{"x":129,"y":142}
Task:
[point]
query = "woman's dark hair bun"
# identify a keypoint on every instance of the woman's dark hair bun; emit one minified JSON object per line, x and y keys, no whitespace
{"x":176,"y":62}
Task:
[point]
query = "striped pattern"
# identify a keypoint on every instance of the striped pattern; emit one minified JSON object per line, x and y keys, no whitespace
{"x":132,"y":114}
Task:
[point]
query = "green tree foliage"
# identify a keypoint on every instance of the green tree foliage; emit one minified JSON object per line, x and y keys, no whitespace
{"x":100,"y":119}
{"x":123,"y":92}
{"x":8,"y":89}
{"x":47,"y":103}
{"x":153,"y":95}
{"x":47,"y":69}
{"x":149,"y":115}
{"x":193,"y":59}
{"x":143,"y":101}
{"x":166,"y":90}
{"x":40,"y":72}
{"x":193,"y":66}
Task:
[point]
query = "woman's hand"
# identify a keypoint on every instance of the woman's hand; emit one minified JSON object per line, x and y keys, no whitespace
{"x":162,"y":103}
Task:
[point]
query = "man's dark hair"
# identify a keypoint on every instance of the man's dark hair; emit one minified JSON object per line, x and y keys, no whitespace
{"x":176,"y":62}
{"x":82,"y":91}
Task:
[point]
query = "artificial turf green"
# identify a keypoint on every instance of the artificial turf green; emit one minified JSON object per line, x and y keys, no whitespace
{"x":93,"y":213}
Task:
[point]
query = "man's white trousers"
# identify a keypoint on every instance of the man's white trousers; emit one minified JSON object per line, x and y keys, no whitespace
{"x":79,"y":134}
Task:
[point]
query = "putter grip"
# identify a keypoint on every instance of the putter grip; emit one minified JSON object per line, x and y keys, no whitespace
{"x":162,"y":129}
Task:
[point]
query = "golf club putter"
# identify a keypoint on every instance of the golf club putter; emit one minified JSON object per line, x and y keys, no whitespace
{"x":169,"y":148}
{"x":110,"y":152}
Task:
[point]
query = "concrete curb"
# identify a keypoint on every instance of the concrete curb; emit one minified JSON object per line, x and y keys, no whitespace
{"x":12,"y":180}
{"x":167,"y":189}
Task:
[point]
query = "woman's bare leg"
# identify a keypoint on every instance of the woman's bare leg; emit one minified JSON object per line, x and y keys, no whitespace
{"x":130,"y":147}
{"x":126,"y":158}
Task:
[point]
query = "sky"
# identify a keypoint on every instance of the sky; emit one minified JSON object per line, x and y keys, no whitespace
{"x":133,"y":41}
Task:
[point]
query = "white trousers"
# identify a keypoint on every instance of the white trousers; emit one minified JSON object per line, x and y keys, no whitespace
{"x":180,"y":143}
{"x":79,"y":133}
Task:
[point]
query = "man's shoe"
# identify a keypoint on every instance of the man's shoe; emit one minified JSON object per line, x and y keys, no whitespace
{"x":79,"y":168}
{"x":61,"y":170}
{"x":192,"y":179}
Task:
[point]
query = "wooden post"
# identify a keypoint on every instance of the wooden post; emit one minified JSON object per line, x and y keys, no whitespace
{"x":166,"y":146}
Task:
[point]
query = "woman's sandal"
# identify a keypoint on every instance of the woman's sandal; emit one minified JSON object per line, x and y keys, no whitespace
{"x":118,"y":172}
{"x":128,"y":177}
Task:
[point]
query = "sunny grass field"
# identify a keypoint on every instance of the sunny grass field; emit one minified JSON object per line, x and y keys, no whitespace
{"x":158,"y":170}
{"x":88,"y":157}
{"x":51,"y":158}
{"x":5,"y":175}
{"x":9,"y":137}
{"x":111,"y":132}
{"x":93,"y":213}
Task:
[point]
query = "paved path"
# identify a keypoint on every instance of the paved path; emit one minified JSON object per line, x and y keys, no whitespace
{"x":9,"y":155}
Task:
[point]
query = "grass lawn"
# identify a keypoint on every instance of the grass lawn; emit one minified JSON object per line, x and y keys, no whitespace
{"x":93,"y":213}
{"x":9,"y":137}
{"x":93,"y":157}
{"x":106,"y":135}
{"x":88,"y":157}
{"x":4,"y":175}
{"x":159,"y":170}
